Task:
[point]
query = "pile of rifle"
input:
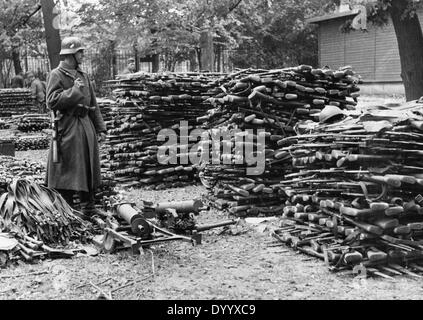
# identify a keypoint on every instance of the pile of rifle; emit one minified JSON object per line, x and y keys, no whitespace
{"x":107,"y":188}
{"x":10,"y":168}
{"x":33,"y":123}
{"x":15,"y":102}
{"x":4,"y":125}
{"x":356,"y":198}
{"x":274,"y":101}
{"x":148,"y":103}
{"x":108,"y":110}
{"x":33,"y":142}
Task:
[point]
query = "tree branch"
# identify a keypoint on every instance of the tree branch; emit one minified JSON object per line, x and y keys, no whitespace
{"x":234,"y":7}
{"x":24,"y":20}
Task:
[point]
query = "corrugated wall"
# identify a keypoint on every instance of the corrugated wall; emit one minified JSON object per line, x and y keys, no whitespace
{"x":373,"y":54}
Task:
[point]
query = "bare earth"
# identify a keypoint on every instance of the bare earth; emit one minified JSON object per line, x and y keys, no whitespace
{"x":240,"y":263}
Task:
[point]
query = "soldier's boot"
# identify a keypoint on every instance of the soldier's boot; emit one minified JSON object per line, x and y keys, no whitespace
{"x":88,"y":207}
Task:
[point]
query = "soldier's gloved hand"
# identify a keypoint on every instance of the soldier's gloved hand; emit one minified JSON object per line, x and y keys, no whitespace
{"x":78,"y":83}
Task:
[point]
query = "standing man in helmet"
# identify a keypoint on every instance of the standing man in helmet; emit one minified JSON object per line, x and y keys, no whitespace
{"x":130,"y":68}
{"x":80,"y":127}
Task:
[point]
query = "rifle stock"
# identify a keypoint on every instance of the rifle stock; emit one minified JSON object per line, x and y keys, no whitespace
{"x":55,"y":145}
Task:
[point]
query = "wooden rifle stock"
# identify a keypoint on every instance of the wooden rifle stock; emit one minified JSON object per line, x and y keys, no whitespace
{"x":55,"y":137}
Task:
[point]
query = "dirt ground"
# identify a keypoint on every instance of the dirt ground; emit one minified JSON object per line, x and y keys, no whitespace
{"x":239,"y":263}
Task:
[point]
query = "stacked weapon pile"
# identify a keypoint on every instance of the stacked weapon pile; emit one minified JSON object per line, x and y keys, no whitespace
{"x":276,"y":101}
{"x":107,"y":189}
{"x":10,"y":168}
{"x":15,"y":102}
{"x":32,"y":218}
{"x":356,"y":198}
{"x":32,"y":142}
{"x":4,"y":125}
{"x":33,"y":123}
{"x":147,"y":104}
{"x":108,"y":110}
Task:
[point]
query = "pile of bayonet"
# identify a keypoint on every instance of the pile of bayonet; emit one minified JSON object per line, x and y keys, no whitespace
{"x":16,"y":102}
{"x":274,"y":101}
{"x":33,"y":217}
{"x":356,"y":200}
{"x":148,"y":103}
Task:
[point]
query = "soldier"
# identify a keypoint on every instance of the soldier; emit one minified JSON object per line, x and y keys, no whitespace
{"x":37,"y":90}
{"x":130,"y":67}
{"x":18,"y":81}
{"x":80,"y":127}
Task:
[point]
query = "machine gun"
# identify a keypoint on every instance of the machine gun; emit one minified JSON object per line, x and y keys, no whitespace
{"x":180,"y":218}
{"x":134,"y":232}
{"x":129,"y":228}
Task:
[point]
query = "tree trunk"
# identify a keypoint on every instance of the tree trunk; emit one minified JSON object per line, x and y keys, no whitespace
{"x":410,"y":44}
{"x":193,"y":65}
{"x":207,"y":54}
{"x":16,"y":61}
{"x":155,"y":64}
{"x":137,"y":60}
{"x":2,"y":82}
{"x":198,"y":50}
{"x":52,"y":32}
{"x":218,"y":57}
{"x":174,"y":61}
{"x":113,"y":62}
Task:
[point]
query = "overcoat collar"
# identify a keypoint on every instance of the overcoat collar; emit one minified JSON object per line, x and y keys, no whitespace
{"x":66,"y":67}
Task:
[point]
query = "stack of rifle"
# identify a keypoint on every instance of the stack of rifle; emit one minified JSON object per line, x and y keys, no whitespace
{"x":32,"y":142}
{"x":10,"y":168}
{"x":169,"y":98}
{"x":108,"y":110}
{"x":4,"y":125}
{"x":107,"y":188}
{"x":357,"y":195}
{"x":15,"y":102}
{"x":33,"y":123}
{"x":284,"y":96}
{"x":274,"y":101}
{"x":148,"y":103}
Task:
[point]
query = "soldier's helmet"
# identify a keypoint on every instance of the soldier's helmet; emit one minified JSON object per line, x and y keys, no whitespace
{"x":71,"y":45}
{"x":330,"y":113}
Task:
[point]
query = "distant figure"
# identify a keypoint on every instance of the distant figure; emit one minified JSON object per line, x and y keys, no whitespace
{"x":18,"y":81}
{"x":38,"y":91}
{"x":130,"y":68}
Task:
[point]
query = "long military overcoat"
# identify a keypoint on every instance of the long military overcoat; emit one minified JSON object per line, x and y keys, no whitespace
{"x":79,"y":165}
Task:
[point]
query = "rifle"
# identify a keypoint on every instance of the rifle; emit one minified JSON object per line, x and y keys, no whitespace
{"x":55,"y":126}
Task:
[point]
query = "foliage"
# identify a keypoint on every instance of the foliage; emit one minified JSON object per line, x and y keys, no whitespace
{"x":18,"y":28}
{"x":275,"y":33}
{"x":268,"y":33}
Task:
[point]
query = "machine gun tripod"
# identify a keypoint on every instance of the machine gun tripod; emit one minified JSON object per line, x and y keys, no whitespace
{"x":137,"y":233}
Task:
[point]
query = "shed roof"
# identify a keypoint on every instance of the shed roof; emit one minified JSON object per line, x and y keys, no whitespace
{"x":333,"y":16}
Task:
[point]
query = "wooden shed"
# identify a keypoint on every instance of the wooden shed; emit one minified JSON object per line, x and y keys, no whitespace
{"x":373,"y":53}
